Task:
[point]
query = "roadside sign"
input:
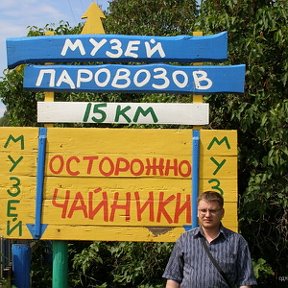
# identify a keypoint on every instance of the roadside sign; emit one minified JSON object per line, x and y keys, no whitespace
{"x":108,"y":184}
{"x":116,"y":48}
{"x":123,"y":113}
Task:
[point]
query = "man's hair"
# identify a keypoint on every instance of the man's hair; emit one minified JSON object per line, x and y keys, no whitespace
{"x":211,"y":196}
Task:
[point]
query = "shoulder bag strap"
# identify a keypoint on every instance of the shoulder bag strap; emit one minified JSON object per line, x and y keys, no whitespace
{"x":215,"y":263}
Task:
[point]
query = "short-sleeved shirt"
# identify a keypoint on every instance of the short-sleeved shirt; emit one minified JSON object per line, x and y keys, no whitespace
{"x":190,"y":265}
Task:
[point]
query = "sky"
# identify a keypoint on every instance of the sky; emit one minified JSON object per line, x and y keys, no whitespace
{"x":16,"y":16}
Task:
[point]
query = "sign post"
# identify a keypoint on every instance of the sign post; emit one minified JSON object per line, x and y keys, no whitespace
{"x":124,"y":184}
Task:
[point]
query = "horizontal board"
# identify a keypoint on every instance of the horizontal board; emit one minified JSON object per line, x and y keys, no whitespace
{"x":114,"y":233}
{"x":87,"y":141}
{"x":123,"y":113}
{"x":113,"y":48}
{"x":118,"y":181}
{"x":151,"y":78}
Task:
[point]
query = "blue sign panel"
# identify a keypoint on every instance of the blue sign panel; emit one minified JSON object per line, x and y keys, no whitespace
{"x":116,"y":48}
{"x":151,"y":78}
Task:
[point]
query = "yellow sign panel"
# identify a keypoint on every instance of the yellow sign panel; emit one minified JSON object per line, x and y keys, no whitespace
{"x":110,"y":184}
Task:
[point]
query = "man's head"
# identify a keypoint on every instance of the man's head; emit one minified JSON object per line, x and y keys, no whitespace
{"x":210,"y":209}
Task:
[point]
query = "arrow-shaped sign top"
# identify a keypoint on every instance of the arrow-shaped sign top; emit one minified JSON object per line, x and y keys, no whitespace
{"x":93,"y":24}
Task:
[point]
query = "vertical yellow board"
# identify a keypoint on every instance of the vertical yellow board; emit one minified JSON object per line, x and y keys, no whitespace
{"x":18,"y":165}
{"x":218,"y":169}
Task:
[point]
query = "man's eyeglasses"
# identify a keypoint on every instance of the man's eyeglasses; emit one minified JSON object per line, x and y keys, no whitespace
{"x":211,"y":211}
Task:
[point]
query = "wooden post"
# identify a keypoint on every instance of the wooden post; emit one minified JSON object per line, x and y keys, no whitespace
{"x":21,"y":260}
{"x":196,"y":151}
{"x":197,"y":98}
{"x":60,"y":264}
{"x":59,"y":248}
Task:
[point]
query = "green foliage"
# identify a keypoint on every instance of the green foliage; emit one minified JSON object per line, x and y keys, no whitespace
{"x":120,"y":264}
{"x":4,"y":121}
{"x":151,"y":17}
{"x":261,"y":268}
{"x":41,"y":268}
{"x":20,"y":104}
{"x":258,"y":37}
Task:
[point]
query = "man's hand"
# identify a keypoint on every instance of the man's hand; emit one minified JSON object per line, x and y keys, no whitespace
{"x":172,"y":284}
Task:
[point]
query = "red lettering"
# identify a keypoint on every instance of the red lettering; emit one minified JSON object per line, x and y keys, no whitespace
{"x":154,"y":166}
{"x":90,"y":163}
{"x":148,"y":203}
{"x":169,"y":209}
{"x":110,"y":163}
{"x":60,"y":164}
{"x":187,"y":166}
{"x":173,"y":167}
{"x":125,"y":207}
{"x":140,"y":168}
{"x":161,"y":207}
{"x":68,"y":168}
{"x":101,"y":205}
{"x":61,"y":205}
{"x":180,"y":209}
{"x":75,"y":206}
{"x":119,"y":168}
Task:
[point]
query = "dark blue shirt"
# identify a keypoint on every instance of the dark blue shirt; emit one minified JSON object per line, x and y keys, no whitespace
{"x":190,"y":265}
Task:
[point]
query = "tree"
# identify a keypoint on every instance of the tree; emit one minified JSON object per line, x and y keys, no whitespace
{"x":151,"y":17}
{"x":257,"y":37}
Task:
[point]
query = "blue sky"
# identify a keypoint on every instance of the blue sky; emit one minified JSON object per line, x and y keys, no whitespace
{"x":16,"y":16}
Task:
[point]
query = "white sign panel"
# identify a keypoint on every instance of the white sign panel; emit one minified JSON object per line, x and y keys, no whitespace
{"x":123,"y":113}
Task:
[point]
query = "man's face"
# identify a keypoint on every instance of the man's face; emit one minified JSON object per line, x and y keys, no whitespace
{"x":209,"y":214}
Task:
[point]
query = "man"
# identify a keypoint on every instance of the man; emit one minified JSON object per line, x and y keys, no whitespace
{"x":189,"y":265}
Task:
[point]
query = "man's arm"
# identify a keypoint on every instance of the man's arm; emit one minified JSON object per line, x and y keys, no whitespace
{"x":245,"y":286}
{"x":174,"y":284}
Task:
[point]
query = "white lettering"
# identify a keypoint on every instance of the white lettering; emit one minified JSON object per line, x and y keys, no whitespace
{"x":132,"y":47}
{"x":177,"y":82}
{"x":201,"y":76}
{"x":65,"y":78}
{"x":116,"y":47}
{"x":97,"y":45}
{"x":81,"y":79}
{"x":149,"y":77}
{"x":41,"y":76}
{"x":121,"y":74}
{"x":73,"y":46}
{"x":144,"y":81}
{"x":163,"y":76}
{"x":97,"y":75}
{"x":158,"y":47}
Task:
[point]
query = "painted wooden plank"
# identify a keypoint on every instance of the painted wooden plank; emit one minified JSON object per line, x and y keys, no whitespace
{"x":123,"y":113}
{"x":151,"y":78}
{"x":87,"y":141}
{"x":218,"y":169}
{"x":224,"y":142}
{"x":218,"y":166}
{"x":113,"y":201}
{"x":116,"y":48}
{"x":127,"y":233}
{"x":228,"y":187}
